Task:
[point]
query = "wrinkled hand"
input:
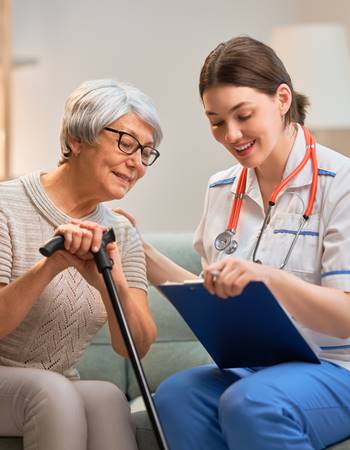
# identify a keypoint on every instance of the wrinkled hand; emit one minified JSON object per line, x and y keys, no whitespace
{"x":81,"y":240}
{"x":230,"y":276}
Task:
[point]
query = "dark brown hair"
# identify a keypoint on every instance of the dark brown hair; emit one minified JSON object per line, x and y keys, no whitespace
{"x":244,"y":61}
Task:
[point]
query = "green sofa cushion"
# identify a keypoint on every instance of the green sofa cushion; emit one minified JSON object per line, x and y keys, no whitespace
{"x":170,"y":325}
{"x":178,"y":247}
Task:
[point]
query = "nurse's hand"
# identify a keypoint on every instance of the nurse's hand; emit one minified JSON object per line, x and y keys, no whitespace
{"x":159,"y":267}
{"x":230,"y":276}
{"x":127,"y":215}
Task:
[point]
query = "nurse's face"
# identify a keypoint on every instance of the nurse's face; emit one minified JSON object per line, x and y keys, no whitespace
{"x":247,"y":122}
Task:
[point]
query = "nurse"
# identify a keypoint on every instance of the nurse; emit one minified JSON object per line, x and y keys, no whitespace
{"x":257,"y":116}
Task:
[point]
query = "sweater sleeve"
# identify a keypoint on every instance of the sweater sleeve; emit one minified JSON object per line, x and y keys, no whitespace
{"x":132,"y":256}
{"x":5,"y":250}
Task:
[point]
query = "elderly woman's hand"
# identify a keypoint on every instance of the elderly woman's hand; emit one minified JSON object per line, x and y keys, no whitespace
{"x":81,"y":240}
{"x":230,"y":276}
{"x":81,"y":237}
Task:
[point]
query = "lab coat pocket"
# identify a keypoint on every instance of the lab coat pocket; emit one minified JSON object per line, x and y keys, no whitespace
{"x":304,"y":258}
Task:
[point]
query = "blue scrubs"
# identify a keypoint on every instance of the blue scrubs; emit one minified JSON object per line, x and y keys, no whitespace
{"x":294,"y":406}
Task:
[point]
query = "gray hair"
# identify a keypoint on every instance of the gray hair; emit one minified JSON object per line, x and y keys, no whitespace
{"x":95,"y":104}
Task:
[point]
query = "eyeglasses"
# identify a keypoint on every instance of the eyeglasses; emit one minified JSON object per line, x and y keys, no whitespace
{"x":127,"y":143}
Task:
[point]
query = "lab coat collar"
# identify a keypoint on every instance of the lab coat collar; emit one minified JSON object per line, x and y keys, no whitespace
{"x":252,"y":186}
{"x":253,"y":190}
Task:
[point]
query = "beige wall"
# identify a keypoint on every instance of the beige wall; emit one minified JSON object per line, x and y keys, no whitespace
{"x":328,"y":11}
{"x":159,"y":45}
{"x":324,"y":11}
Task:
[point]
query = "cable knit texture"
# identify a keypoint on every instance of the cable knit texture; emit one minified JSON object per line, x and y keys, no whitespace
{"x":69,"y":312}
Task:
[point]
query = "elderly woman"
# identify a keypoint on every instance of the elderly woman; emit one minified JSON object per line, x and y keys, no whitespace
{"x":50,"y":309}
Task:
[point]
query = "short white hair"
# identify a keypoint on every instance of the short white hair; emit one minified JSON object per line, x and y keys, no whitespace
{"x":97,"y":103}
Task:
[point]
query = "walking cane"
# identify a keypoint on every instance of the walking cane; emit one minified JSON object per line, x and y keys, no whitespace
{"x":104,"y":266}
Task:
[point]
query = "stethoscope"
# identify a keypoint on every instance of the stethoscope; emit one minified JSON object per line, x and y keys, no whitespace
{"x":225,"y":241}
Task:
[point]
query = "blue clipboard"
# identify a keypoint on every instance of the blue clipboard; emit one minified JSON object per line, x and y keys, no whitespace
{"x":248,"y":330}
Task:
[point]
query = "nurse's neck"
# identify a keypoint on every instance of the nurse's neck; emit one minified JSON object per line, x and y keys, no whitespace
{"x":270,"y":173}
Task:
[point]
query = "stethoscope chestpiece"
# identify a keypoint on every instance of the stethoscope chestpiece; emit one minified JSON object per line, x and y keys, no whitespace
{"x":232,"y":247}
{"x":224,"y":242}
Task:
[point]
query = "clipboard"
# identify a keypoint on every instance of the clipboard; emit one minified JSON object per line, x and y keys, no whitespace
{"x":248,"y":330}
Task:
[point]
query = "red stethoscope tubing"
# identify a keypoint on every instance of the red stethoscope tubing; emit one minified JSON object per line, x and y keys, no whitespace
{"x":311,"y":143}
{"x":241,"y":186}
{"x":238,"y":200}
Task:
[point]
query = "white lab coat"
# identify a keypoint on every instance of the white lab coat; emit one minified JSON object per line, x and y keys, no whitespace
{"x":322,"y":252}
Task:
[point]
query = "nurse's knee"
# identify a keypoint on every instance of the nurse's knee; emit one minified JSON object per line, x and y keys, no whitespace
{"x":180,"y":387}
{"x":247,"y":404}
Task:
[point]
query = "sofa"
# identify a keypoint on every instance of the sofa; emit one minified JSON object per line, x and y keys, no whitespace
{"x":175,"y":349}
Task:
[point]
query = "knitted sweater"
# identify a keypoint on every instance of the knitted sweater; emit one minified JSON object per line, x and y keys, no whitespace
{"x":69,"y":311}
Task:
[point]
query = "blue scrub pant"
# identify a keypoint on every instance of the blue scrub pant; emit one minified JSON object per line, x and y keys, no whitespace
{"x":294,"y":406}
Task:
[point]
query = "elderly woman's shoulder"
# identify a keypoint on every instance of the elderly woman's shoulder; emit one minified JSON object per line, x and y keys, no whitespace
{"x":11,"y":191}
{"x":11,"y":184}
{"x":117,"y":221}
{"x":127,"y":236}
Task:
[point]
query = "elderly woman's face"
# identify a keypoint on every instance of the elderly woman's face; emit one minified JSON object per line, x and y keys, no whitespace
{"x":107,"y":169}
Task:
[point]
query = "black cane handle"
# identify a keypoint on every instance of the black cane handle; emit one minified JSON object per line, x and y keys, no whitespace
{"x":57,"y":243}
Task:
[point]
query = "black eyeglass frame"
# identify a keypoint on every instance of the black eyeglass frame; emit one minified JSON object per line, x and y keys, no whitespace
{"x":140,"y":146}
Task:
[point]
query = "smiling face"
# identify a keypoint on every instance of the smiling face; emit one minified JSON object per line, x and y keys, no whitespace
{"x":106,"y":171}
{"x":247,"y":122}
